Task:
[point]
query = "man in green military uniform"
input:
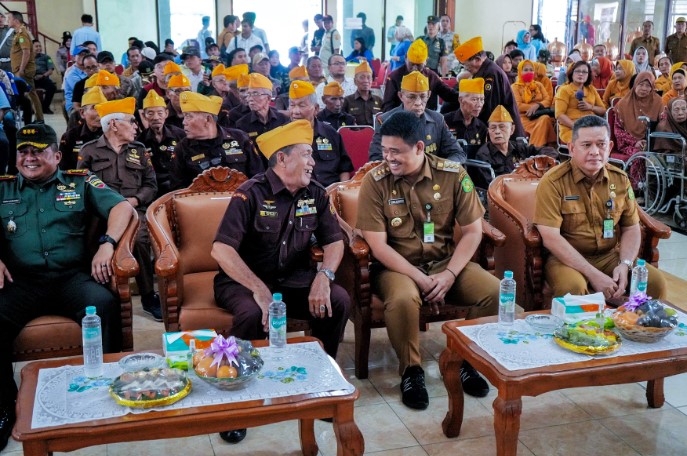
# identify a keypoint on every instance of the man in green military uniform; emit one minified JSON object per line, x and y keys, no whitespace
{"x":44,"y":263}
{"x":23,"y":60}
{"x":408,"y":209}
{"x":588,"y":219}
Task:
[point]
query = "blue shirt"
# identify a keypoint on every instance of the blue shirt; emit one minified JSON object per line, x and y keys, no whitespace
{"x":400,"y":51}
{"x":83,"y":34}
{"x":74,"y":76}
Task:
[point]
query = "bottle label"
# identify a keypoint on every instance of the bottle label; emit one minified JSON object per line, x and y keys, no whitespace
{"x":91,"y":333}
{"x":505,"y":298}
{"x":278,"y":322}
{"x":641,"y":286}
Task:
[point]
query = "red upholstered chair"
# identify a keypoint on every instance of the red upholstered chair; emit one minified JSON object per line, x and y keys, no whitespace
{"x":367,"y":310}
{"x":356,"y":140}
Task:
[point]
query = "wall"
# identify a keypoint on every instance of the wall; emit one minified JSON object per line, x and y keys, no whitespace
{"x":487,"y":18}
{"x":120,"y":24}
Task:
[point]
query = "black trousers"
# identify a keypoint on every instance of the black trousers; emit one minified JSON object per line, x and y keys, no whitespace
{"x":65,"y":293}
{"x":144,"y":279}
{"x":50,"y":89}
{"x":247,"y":325}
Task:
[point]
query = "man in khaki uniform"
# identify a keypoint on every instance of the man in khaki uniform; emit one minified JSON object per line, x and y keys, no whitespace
{"x":647,"y":41}
{"x":23,"y":60}
{"x":588,"y":219}
{"x":408,"y":209}
{"x":676,"y":44}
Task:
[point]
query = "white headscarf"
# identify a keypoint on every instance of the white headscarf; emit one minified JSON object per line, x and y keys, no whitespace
{"x":644,"y":66}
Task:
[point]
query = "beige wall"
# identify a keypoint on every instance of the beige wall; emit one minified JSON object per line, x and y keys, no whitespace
{"x":472,"y":20}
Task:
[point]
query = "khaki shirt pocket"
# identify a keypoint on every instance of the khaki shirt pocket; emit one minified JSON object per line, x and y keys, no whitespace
{"x":399,"y":222}
{"x":574,"y":214}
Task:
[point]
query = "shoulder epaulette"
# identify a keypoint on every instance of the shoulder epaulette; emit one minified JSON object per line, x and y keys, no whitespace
{"x":7,"y":177}
{"x":559,"y":171}
{"x":447,"y":165}
{"x":89,"y":142}
{"x":380,"y":172}
{"x":76,"y":172}
{"x":614,"y":169}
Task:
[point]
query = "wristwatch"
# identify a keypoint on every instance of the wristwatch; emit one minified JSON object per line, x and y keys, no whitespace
{"x":627,"y":263}
{"x":328,"y":272}
{"x":106,"y":238}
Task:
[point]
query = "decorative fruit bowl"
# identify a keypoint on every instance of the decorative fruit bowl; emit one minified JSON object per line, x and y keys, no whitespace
{"x":585,"y":338}
{"x":228,"y":363}
{"x":643,"y":319}
{"x":150,"y":387}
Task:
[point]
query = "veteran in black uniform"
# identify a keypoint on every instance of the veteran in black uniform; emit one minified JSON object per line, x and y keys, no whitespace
{"x":262,"y":116}
{"x":333,"y":113}
{"x":332,"y":163}
{"x":438,"y":139}
{"x":408,"y":208}
{"x":230,"y":118}
{"x":45,"y":268}
{"x":88,"y":129}
{"x":263,"y":246}
{"x":176,"y":85}
{"x":207,"y":144}
{"x":123,"y":165}
{"x":160,"y":140}
{"x":465,"y":123}
{"x":362,"y":104}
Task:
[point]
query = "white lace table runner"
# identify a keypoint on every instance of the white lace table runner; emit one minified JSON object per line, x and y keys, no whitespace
{"x":523,"y":347}
{"x":65,"y":396}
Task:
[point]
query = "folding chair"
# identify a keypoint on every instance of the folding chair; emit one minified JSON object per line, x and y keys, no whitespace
{"x":357,"y":140}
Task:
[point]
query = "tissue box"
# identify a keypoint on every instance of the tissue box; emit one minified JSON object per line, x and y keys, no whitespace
{"x":572,"y":309}
{"x":177,"y":343}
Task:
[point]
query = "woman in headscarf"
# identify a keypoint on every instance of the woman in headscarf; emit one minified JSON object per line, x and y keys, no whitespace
{"x":678,"y":76}
{"x":524,"y":40}
{"x":619,"y":84}
{"x":576,"y":99}
{"x":504,"y":62}
{"x":602,"y":70}
{"x":674,"y":122}
{"x":542,"y":76}
{"x":531,"y":96}
{"x":663,"y":82}
{"x":641,"y":60}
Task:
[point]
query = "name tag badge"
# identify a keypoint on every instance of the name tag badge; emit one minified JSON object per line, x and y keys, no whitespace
{"x":396,"y":201}
{"x":608,"y":229}
{"x":428,"y":229}
{"x":572,"y":198}
{"x":324,"y":147}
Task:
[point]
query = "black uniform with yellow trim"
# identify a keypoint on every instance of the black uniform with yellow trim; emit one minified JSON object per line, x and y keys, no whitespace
{"x":72,"y":141}
{"x":331,"y":158}
{"x":231,"y":148}
{"x":337,"y":121}
{"x":161,"y":153}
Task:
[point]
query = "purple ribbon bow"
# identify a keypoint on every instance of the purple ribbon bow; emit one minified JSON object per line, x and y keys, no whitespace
{"x":220,"y":348}
{"x":636,"y":300}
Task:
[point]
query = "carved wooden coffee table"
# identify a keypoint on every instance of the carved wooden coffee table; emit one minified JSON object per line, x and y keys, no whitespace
{"x":513,"y":385}
{"x":187,"y":421}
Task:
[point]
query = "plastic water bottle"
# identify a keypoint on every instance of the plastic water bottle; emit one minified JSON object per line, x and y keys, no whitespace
{"x":640,"y":277}
{"x":277,"y":322}
{"x":92,"y":344}
{"x":507,"y":299}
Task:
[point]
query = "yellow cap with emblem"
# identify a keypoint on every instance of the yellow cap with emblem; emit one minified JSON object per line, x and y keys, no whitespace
{"x":94,"y":96}
{"x":364,"y":67}
{"x":298,"y":73}
{"x":90,"y":82}
{"x":125,"y":106}
{"x":475,"y":85}
{"x":233,"y":72}
{"x":178,"y":80}
{"x":243,"y":81}
{"x":105,"y":78}
{"x":469,"y":49}
{"x":171,"y":68}
{"x":38,"y":135}
{"x":333,"y":89}
{"x":218,"y":70}
{"x":500,"y":114}
{"x":258,"y":81}
{"x":417,"y":52}
{"x":296,"y":132}
{"x":195,"y":102}
{"x":153,"y":100}
{"x":415,"y":82}
{"x":300,"y":89}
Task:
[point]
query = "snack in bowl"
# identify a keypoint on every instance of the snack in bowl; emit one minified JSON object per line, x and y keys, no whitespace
{"x":150,"y":387}
{"x":227,"y":363}
{"x":585,"y":338}
{"x":643,"y":319}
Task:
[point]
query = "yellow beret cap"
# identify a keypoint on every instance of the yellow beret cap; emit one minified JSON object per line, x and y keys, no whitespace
{"x":417,"y":52}
{"x":218,"y":70}
{"x":415,"y":82}
{"x":171,"y":68}
{"x":364,"y":67}
{"x":333,"y":89}
{"x":90,"y":82}
{"x":469,"y":48}
{"x":153,"y":100}
{"x":178,"y":80}
{"x":258,"y":81}
{"x":475,"y":85}
{"x":300,"y":89}
{"x":296,"y":132}
{"x":94,"y":96}
{"x":195,"y":102}
{"x":105,"y":78}
{"x":233,"y":72}
{"x":125,"y":106}
{"x":298,"y":73}
{"x":500,"y":114}
{"x":243,"y":80}
{"x":676,"y":67}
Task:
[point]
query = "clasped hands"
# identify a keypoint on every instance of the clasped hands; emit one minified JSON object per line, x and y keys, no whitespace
{"x":434,"y":288}
{"x":611,"y":287}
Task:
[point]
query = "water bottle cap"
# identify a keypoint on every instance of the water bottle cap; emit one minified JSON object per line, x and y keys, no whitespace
{"x":276,"y":297}
{"x":90,"y":310}
{"x":641,"y":262}
{"x":508,"y":274}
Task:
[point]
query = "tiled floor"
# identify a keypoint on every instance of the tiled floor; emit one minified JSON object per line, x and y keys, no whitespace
{"x":594,"y":421}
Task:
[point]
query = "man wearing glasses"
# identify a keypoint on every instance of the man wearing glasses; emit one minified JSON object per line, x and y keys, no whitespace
{"x":122,"y":164}
{"x":176,"y":85}
{"x":438,"y":139}
{"x":45,"y":266}
{"x":262,"y":116}
{"x":337,"y":72}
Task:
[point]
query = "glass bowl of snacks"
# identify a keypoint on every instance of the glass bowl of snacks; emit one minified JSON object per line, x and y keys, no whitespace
{"x":587,"y":338}
{"x":150,"y":387}
{"x":228,"y":363}
{"x":643,"y":319}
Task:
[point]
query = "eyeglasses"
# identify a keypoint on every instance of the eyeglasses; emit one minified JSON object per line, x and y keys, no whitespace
{"x":178,"y":91}
{"x":256,"y":94}
{"x":417,"y":96}
{"x":92,"y":67}
{"x":132,"y":120}
{"x":581,"y":72}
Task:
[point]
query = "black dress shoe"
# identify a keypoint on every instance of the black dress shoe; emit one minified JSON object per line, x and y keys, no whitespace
{"x":413,"y":390}
{"x":234,"y":436}
{"x":473,"y":383}
{"x":7,"y":419}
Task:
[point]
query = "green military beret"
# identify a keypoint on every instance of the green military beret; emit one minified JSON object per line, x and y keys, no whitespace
{"x":37,"y":135}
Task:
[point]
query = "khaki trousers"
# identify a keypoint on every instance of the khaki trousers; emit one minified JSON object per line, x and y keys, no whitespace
{"x":402,"y":301}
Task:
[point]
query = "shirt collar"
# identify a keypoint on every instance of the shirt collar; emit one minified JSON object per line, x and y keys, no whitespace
{"x":426,"y":171}
{"x":276,"y":184}
{"x":578,"y":175}
{"x":59,"y":175}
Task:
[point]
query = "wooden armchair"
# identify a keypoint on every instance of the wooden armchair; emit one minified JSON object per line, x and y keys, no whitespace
{"x":53,"y":336}
{"x":511,"y":210}
{"x":367,"y":310}
{"x":182,"y":226}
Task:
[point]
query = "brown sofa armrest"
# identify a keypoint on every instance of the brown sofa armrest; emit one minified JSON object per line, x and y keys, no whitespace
{"x":654,"y":228}
{"x":492,"y":234}
{"x":124,"y":263}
